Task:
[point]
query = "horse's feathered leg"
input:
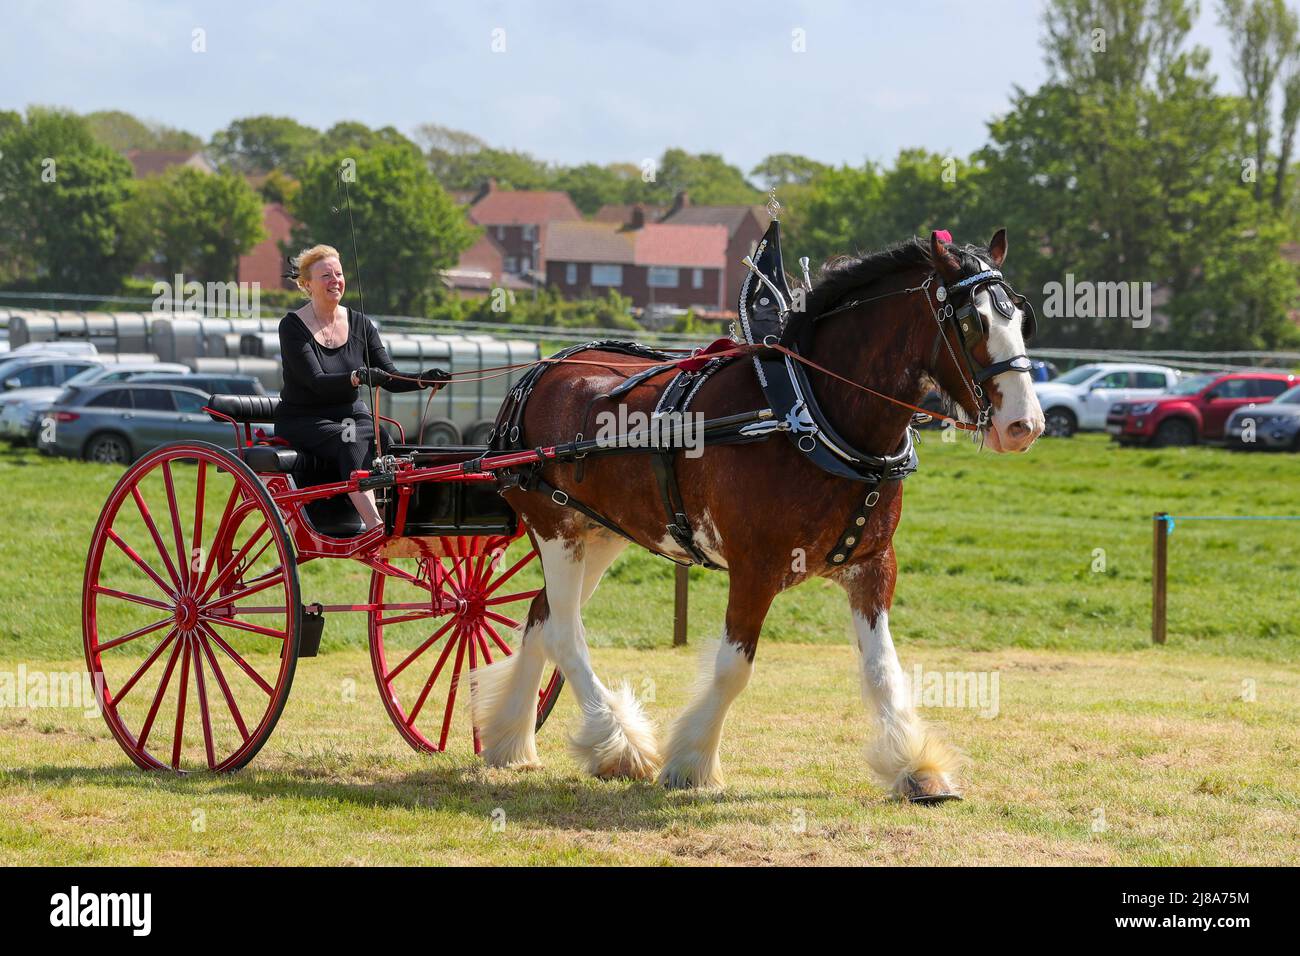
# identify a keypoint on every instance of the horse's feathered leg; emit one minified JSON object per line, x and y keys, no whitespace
{"x":907,"y":755}
{"x":691,"y":757}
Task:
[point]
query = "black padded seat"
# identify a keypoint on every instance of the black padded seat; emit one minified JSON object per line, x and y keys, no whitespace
{"x":244,"y":408}
{"x":277,"y":458}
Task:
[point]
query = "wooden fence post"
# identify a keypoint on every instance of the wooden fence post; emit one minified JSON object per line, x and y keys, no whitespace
{"x":1159,"y":571}
{"x":679,"y":605}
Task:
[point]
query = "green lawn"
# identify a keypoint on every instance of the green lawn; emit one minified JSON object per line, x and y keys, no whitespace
{"x":1105,"y":749}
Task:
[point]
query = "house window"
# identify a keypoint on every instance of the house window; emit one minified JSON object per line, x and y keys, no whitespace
{"x":697,"y":278}
{"x":662,"y":277}
{"x":501,"y":233}
{"x":571,"y":274}
{"x":511,"y":264}
{"x":525,"y":264}
{"x":530,"y":233}
{"x":606,"y":274}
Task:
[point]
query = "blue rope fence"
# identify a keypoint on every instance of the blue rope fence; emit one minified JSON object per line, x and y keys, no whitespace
{"x":1171,"y":520}
{"x":1160,"y":560}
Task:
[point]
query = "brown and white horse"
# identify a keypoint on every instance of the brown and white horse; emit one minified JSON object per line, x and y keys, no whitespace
{"x":755,"y":508}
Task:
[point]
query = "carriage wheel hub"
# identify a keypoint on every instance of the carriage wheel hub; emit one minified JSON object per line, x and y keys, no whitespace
{"x":187,"y":612}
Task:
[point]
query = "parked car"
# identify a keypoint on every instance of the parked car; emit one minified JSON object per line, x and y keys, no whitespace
{"x":119,"y":422}
{"x":212,"y":384}
{"x":35,"y":370}
{"x":71,"y":347}
{"x":21,"y":408}
{"x":1196,"y":410}
{"x":1081,"y":397}
{"x":1275,"y":424}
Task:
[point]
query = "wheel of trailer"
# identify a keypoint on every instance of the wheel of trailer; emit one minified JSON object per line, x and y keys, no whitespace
{"x":440,"y":431}
{"x":191,"y":613}
{"x":434,"y":621}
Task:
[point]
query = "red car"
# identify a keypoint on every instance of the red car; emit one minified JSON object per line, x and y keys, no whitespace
{"x":1196,"y":409}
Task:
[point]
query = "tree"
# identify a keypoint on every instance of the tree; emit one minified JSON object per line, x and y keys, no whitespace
{"x":707,"y":177}
{"x":259,"y":144}
{"x":787,"y":169}
{"x":1266,"y":55}
{"x":122,"y":131}
{"x":1124,"y":168}
{"x":64,"y":197}
{"x":407,"y":227}
{"x":591,"y":186}
{"x":199,"y":224}
{"x":351,"y":135}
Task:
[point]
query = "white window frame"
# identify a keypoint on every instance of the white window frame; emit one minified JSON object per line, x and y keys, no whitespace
{"x":529,"y":232}
{"x":571,"y":273}
{"x":511,"y":265}
{"x":607,"y":274}
{"x":657,"y":277}
{"x":697,"y":278}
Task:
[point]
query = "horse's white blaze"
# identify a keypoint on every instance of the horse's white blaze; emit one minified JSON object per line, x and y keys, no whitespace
{"x":904,"y":747}
{"x":1019,"y":400}
{"x":613,"y":736}
{"x":691,"y":757}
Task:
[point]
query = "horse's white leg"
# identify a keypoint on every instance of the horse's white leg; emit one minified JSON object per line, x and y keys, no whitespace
{"x":613,"y":738}
{"x":907,"y":755}
{"x":691,"y":756}
{"x":505,"y":693}
{"x":503,"y":697}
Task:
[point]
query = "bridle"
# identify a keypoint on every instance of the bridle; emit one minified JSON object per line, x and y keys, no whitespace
{"x":957,"y":305}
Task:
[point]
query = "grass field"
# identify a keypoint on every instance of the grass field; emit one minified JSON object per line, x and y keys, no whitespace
{"x":1034,"y":569}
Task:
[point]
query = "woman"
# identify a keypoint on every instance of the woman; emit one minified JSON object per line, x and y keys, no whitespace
{"x":328,"y":352}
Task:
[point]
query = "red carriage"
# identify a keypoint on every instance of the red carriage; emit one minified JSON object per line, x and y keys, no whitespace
{"x":193,"y":610}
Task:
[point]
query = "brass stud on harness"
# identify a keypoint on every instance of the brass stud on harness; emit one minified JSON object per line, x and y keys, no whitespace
{"x":860,"y":521}
{"x":838,"y":558}
{"x":849,"y":542}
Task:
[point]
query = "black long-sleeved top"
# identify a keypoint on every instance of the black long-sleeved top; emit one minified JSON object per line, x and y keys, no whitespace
{"x":318,"y":380}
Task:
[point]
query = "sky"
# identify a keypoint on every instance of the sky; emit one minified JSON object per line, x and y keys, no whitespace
{"x":568,"y":82}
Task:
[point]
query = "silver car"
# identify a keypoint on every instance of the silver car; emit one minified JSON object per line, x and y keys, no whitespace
{"x":21,"y":409}
{"x":118,"y":423}
{"x":1273,"y":425}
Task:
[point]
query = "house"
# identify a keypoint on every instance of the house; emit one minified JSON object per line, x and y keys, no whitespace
{"x":656,"y":265}
{"x":630,"y":215}
{"x":150,"y":162}
{"x":265,"y":262}
{"x":744,"y":224}
{"x":518,"y":220}
{"x":480,"y":269}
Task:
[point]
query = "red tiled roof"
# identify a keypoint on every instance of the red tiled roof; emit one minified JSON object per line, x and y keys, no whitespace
{"x":729,"y":216}
{"x":663,"y":244}
{"x":518,"y":207}
{"x":581,"y":241}
{"x":622,"y":212}
{"x":148,"y":162}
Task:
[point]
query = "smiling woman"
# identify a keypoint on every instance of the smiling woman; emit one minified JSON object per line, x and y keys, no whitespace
{"x":329,"y":351}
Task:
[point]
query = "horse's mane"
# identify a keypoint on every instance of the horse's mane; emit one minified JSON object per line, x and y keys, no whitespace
{"x":847,"y":273}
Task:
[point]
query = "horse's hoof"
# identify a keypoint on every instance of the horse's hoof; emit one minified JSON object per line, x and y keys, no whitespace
{"x":927,"y":788}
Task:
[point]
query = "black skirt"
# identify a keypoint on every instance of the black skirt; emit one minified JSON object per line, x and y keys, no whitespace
{"x":338,"y":434}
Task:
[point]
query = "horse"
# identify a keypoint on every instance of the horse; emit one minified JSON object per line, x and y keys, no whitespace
{"x":757,"y":508}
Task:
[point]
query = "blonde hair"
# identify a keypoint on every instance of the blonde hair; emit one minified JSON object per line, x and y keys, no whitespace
{"x":303,"y":262}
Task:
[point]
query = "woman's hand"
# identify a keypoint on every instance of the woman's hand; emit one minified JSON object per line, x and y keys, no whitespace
{"x":370,"y":376}
{"x":433,"y":378}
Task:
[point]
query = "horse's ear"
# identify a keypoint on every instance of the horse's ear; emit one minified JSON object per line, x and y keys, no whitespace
{"x":998,"y":248}
{"x":945,"y":263}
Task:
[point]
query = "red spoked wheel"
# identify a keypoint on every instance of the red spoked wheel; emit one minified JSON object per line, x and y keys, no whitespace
{"x":191,"y":611}
{"x":435,"y":621}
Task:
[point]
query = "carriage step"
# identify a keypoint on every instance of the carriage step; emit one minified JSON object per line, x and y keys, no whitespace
{"x":313,"y":626}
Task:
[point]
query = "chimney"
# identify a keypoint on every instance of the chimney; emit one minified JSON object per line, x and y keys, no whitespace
{"x":485,"y":190}
{"x":637,"y":219}
{"x":680,"y":202}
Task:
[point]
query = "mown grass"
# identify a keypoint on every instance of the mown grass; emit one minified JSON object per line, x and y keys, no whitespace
{"x":1104,"y":750}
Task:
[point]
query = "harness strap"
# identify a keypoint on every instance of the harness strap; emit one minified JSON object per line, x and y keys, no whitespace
{"x":851,"y":536}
